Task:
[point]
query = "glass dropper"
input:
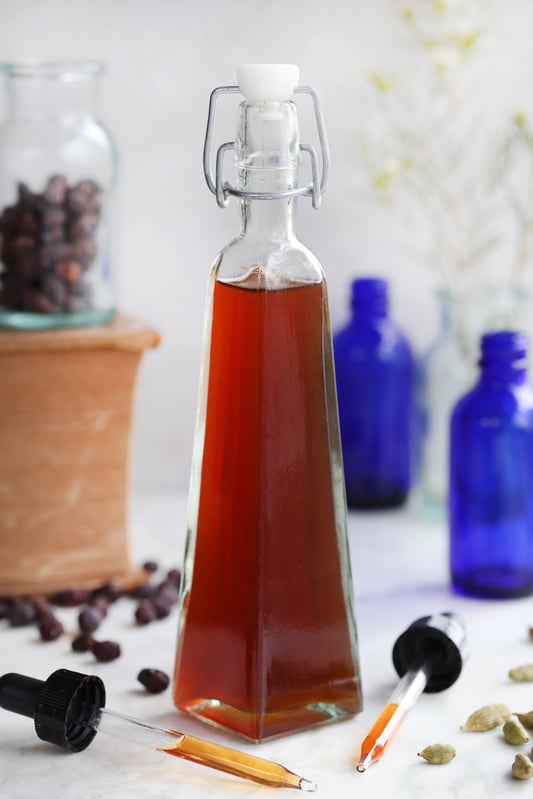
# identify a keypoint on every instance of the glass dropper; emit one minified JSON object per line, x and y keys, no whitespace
{"x":428,"y":656}
{"x":386,"y":725}
{"x":68,"y":710}
{"x":199,"y":750}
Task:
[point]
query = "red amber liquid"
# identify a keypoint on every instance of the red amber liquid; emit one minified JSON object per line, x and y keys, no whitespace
{"x":267,"y":642}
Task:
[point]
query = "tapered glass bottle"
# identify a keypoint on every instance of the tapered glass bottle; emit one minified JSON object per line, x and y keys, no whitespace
{"x":491,"y":475}
{"x":267,"y":639}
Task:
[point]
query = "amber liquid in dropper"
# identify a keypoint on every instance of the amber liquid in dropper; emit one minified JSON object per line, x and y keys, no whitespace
{"x":372,"y":740}
{"x":268,"y":640}
{"x":238,"y":763}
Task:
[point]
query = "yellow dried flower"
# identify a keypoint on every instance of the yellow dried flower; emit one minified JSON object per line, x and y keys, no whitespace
{"x":520,"y":120}
{"x":380,"y":81}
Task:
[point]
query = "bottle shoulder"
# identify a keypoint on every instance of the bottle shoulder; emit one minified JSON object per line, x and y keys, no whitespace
{"x":379,"y":338}
{"x":282,"y":260}
{"x":484,"y":402}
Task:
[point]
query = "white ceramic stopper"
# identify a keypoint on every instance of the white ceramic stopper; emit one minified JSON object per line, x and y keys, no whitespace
{"x":263,"y":83}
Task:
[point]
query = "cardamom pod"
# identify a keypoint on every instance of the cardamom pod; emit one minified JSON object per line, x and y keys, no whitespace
{"x":526,"y":719}
{"x":514,"y":732}
{"x":530,"y":632}
{"x":486,"y":718}
{"x":438,"y":753}
{"x":522,"y":673}
{"x":522,"y":768}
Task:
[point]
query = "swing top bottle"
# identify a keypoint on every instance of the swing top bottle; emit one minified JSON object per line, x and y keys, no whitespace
{"x":267,"y":640}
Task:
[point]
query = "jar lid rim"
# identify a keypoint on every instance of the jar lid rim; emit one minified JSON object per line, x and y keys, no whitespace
{"x":52,"y":70}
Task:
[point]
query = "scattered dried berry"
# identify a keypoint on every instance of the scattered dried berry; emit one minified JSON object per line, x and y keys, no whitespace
{"x":90,"y":619}
{"x":71,"y":598}
{"x":83,"y":643}
{"x":174,"y":576}
{"x":105,"y":651}
{"x":145,"y":612}
{"x":22,"y":612}
{"x":41,"y":605}
{"x":110,"y":591}
{"x":150,"y":566}
{"x":143,"y":591}
{"x":154,"y":681}
{"x":50,"y":628}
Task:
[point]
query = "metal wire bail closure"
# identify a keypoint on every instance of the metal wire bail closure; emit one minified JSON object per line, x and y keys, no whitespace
{"x":222,"y":189}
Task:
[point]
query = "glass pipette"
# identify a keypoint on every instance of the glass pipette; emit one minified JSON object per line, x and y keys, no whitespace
{"x":199,"y":750}
{"x":68,"y":710}
{"x":428,"y":656}
{"x":401,"y":700}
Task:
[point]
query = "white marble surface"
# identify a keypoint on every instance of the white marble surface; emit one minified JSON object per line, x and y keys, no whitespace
{"x":400,"y":573}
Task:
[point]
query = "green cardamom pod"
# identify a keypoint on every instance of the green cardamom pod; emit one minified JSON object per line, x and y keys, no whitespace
{"x":486,"y":718}
{"x":514,"y":732}
{"x":526,"y":719}
{"x":522,"y":673}
{"x":438,"y":753}
{"x":522,"y":768}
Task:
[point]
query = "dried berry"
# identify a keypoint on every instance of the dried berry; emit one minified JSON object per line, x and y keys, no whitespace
{"x":162,"y":607}
{"x":174,"y":576}
{"x":4,"y":609}
{"x":22,"y":612}
{"x":83,"y":643}
{"x":154,"y":681}
{"x":150,"y":566}
{"x":110,"y":591}
{"x":145,"y":612}
{"x":143,"y":591}
{"x":71,"y":598}
{"x":106,"y":650}
{"x":167,"y":592}
{"x":90,"y":619}
{"x":50,"y":628}
{"x":48,"y":242}
{"x":41,"y":605}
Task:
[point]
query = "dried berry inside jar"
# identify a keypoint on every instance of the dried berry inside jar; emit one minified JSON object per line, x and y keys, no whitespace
{"x":48,"y":244}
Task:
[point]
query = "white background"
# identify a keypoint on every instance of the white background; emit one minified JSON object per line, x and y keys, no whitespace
{"x":163,"y":59}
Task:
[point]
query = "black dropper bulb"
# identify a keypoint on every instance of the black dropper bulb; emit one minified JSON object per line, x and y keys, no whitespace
{"x":439,"y":643}
{"x":65,"y":707}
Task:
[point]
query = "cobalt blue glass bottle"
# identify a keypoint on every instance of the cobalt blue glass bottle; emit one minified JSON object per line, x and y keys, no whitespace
{"x":491,"y":475}
{"x":375,"y":386}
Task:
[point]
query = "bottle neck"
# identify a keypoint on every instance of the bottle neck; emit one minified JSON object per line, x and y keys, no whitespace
{"x":503,"y":359}
{"x":268,"y":219}
{"x":369,"y":300}
{"x":267,"y":154}
{"x":46,"y":91}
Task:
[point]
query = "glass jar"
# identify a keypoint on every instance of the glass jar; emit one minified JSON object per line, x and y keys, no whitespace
{"x":57,"y":175}
{"x":491,"y":474}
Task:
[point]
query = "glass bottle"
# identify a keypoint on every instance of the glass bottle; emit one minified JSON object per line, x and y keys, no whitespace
{"x":267,"y":639}
{"x":57,"y":174}
{"x":375,"y":385}
{"x":491,"y":475}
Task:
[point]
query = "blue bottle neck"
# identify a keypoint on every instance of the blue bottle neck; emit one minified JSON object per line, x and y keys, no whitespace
{"x":503,"y":359}
{"x":369,"y":300}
